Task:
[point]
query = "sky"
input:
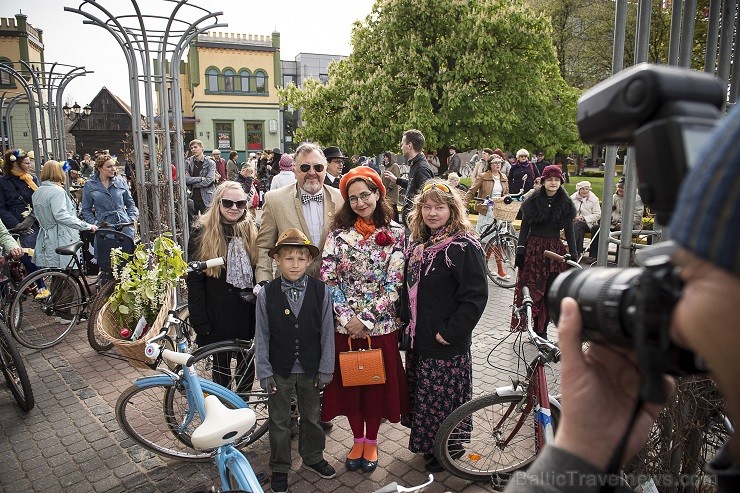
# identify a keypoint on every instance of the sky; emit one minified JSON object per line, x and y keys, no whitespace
{"x":309,"y":26}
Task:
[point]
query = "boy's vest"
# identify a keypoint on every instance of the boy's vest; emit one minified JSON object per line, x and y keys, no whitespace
{"x":294,"y":337}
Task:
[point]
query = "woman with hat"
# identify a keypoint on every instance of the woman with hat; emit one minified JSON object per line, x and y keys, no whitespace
{"x":548,"y":211}
{"x":363,"y":266}
{"x":286,"y":176}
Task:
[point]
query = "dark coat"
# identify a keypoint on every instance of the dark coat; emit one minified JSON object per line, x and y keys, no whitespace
{"x":217,"y":311}
{"x":15,"y":196}
{"x":516,"y":177}
{"x":545,"y":218}
{"x":451,"y":300}
{"x":419,"y":172}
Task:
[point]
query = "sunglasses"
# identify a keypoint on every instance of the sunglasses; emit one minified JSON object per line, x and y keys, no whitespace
{"x":316,"y":167}
{"x":439,"y":186}
{"x":228,"y":204}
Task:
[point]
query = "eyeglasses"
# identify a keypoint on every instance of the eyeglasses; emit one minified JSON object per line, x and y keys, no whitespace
{"x":316,"y":167}
{"x":439,"y":186}
{"x":519,"y":157}
{"x":338,"y":160}
{"x":364,"y":196}
{"x":228,"y":204}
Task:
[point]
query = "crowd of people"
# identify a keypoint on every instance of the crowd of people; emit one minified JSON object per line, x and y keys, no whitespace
{"x":334,"y":267}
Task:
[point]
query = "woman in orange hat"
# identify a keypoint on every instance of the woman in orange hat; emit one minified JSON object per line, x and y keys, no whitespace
{"x":363,"y":264}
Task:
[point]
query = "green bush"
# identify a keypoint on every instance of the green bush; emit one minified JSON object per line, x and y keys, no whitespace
{"x":593,"y":173}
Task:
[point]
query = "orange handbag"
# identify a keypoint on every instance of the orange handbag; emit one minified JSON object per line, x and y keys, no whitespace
{"x":362,"y":367}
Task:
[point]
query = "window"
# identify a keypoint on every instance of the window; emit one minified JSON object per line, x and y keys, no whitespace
{"x":260,"y":80}
{"x":212,"y":76}
{"x":244,"y":76}
{"x":224,"y":131}
{"x":324,"y":78}
{"x":255,"y":139}
{"x":229,"y":80}
{"x":6,"y":79}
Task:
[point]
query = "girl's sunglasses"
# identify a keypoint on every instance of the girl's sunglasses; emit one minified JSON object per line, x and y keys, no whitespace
{"x":439,"y":186}
{"x":228,"y":204}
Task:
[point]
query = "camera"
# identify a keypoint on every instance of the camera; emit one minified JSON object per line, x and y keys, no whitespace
{"x":666,"y":113}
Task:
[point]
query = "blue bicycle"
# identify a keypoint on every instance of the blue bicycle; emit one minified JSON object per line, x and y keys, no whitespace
{"x":169,"y":414}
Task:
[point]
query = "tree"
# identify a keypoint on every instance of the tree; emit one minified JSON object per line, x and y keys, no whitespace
{"x":471,"y":73}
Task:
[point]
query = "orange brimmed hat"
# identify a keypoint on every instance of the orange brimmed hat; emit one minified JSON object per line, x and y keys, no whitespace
{"x":364,"y":172}
{"x":294,"y":237}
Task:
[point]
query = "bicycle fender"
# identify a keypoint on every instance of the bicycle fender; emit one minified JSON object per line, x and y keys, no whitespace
{"x":207,"y":386}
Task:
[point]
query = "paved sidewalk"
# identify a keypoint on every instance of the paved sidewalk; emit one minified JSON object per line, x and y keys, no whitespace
{"x":71,"y":442}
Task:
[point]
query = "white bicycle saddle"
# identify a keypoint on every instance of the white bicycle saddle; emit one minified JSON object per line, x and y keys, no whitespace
{"x":222,"y":425}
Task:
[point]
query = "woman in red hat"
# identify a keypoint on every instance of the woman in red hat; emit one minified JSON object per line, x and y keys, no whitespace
{"x":363,"y":263}
{"x":548,"y":211}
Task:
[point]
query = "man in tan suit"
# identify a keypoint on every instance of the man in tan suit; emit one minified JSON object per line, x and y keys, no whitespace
{"x":308,"y":206}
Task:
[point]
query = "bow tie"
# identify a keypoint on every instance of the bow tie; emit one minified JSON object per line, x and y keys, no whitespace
{"x":293,"y":289}
{"x":319,"y":197}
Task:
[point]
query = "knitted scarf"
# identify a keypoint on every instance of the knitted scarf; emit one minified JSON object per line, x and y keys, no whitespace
{"x":365,"y":227}
{"x":26,"y":177}
{"x":422,"y":254}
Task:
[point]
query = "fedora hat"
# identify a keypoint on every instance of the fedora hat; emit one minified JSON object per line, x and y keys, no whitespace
{"x":277,"y":151}
{"x":333,"y":152}
{"x":294,"y":237}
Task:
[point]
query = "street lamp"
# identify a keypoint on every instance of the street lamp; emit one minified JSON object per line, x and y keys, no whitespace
{"x":76,"y":111}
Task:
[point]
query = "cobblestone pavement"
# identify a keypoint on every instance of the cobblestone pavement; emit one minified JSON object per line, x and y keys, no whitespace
{"x":71,"y":442}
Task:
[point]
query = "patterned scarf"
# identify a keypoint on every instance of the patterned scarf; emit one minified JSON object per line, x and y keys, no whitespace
{"x":423,"y":254}
{"x":238,"y":265}
{"x":26,"y":177}
{"x":365,"y":227}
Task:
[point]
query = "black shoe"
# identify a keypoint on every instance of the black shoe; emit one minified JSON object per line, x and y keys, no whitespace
{"x":279,"y":482}
{"x":367,"y":465}
{"x":326,"y":425}
{"x":322,"y":468}
{"x":433,"y":466}
{"x":353,"y":464}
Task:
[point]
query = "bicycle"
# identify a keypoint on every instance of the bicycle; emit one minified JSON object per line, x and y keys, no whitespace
{"x":496,"y":434}
{"x":161,"y":412}
{"x":43,"y":323}
{"x":13,"y":273}
{"x":500,"y":248}
{"x":11,"y":364}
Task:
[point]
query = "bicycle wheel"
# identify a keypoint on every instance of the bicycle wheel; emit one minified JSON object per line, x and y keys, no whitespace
{"x":97,"y":342}
{"x":42,"y":323}
{"x":15,"y":371}
{"x":471,"y":442}
{"x":465,"y":170}
{"x":231,"y":364}
{"x":146,"y":414}
{"x":504,"y":251}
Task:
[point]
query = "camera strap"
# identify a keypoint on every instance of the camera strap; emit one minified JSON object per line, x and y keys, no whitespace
{"x":616,"y":460}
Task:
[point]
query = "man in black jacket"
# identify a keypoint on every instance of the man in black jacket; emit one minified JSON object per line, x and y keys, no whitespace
{"x":412,"y":144}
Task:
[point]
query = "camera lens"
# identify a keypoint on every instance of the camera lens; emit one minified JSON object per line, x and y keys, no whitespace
{"x":606,"y":297}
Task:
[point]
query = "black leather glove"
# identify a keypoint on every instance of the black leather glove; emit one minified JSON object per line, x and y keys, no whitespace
{"x":519,"y":260}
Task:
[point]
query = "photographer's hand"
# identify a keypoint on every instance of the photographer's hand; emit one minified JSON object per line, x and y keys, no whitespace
{"x":600,"y":388}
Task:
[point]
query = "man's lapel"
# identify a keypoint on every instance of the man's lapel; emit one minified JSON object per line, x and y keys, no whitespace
{"x":299,"y":212}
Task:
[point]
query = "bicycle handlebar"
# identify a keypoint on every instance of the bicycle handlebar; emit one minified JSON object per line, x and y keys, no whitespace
{"x":567,"y":259}
{"x":201,"y":265}
{"x":395,"y":488}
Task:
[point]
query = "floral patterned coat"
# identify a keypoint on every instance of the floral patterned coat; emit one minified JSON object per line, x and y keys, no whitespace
{"x":364,"y":276}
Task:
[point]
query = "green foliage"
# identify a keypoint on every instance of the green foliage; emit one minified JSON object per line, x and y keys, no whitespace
{"x":470,"y":73}
{"x":149,"y":272}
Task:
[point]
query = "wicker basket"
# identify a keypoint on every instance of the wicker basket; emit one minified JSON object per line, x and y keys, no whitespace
{"x":505,"y":212}
{"x":108,"y":327}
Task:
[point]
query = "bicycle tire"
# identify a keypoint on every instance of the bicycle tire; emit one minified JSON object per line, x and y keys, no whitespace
{"x":142,"y":413}
{"x":14,"y":371}
{"x":243,"y":384}
{"x":507,"y":254}
{"x":475,"y":453}
{"x":96,"y":341}
{"x":41,"y":324}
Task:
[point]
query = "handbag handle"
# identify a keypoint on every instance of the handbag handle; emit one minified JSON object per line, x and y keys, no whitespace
{"x":369,"y":344}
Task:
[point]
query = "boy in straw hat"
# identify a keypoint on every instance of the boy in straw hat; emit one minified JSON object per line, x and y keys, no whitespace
{"x":294,"y":345}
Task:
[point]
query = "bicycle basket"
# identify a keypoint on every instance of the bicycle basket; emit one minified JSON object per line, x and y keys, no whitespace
{"x":108,"y":239}
{"x":108,"y":328}
{"x":505,"y":212}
